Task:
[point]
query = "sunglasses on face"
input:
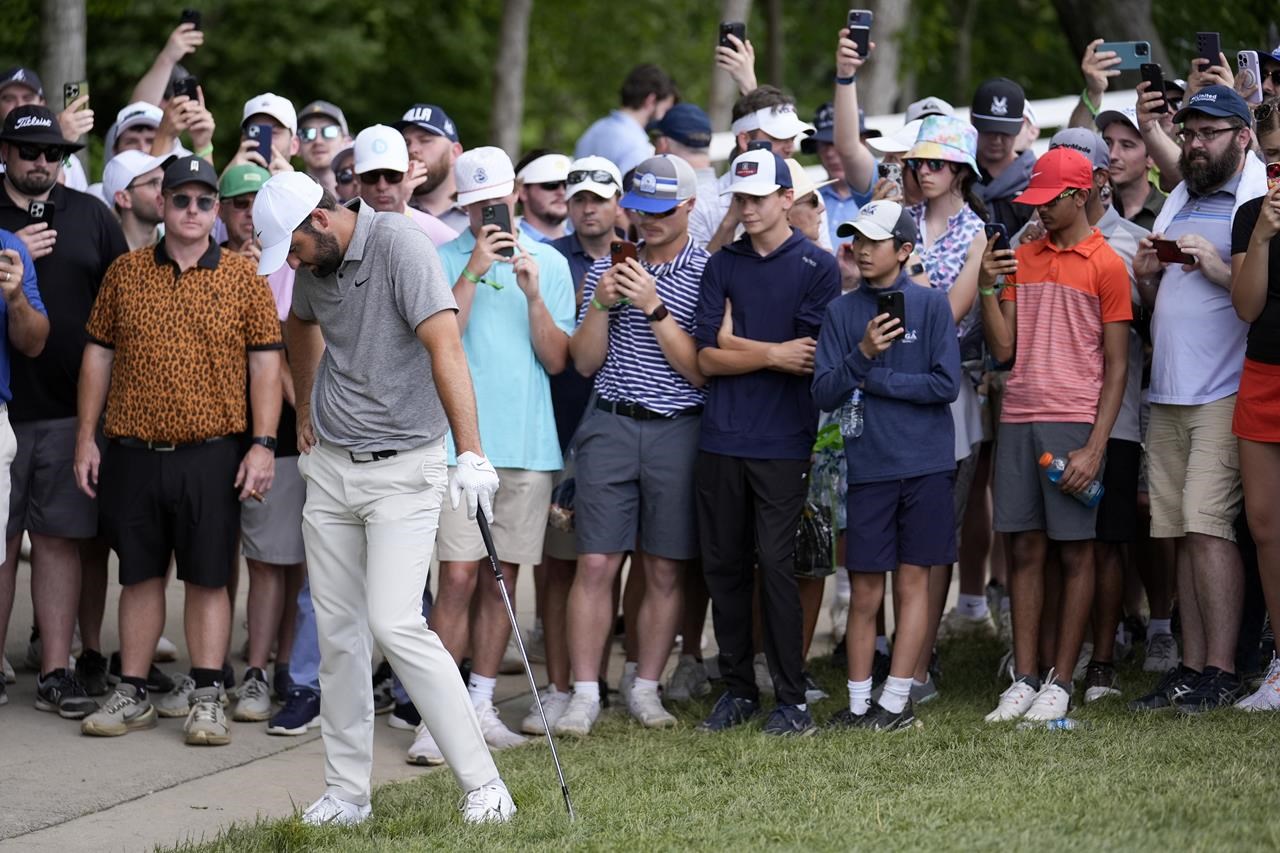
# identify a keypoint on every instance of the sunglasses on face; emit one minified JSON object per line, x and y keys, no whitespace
{"x":51,"y":153}
{"x":345,"y":176}
{"x":551,"y":186}
{"x":932,"y":165}
{"x":371,"y":178}
{"x":311,"y":134}
{"x":599,"y":176}
{"x":1205,"y":135}
{"x":203,"y":202}
{"x":1065,"y":194}
{"x":663,"y":215}
{"x":243,"y":202}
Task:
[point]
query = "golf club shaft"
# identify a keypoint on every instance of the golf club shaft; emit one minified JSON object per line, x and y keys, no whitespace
{"x":524,"y":657}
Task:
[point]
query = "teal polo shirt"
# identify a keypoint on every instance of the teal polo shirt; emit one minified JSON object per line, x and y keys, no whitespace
{"x":513,"y":391}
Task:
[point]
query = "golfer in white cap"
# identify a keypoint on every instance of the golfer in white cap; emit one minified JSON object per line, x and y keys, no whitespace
{"x":380,"y":377}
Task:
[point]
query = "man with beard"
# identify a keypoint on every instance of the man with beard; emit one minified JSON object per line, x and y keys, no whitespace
{"x":131,"y":183}
{"x":387,"y":176}
{"x":1198,"y":353}
{"x":71,"y":257}
{"x":322,"y":133}
{"x":540,"y":180}
{"x":432,"y":138}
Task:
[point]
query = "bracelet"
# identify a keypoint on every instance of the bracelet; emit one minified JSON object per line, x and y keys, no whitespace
{"x":845,"y":81}
{"x":205,"y":151}
{"x":595,"y":303}
{"x":986,"y":291}
{"x":471,"y":277}
{"x":1084,"y":99}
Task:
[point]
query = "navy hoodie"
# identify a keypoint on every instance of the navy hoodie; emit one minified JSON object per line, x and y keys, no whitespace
{"x":998,"y":193}
{"x":907,"y":390}
{"x":765,"y":414}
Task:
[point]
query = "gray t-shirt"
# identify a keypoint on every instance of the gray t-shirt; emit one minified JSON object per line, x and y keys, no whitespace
{"x":374,"y":389}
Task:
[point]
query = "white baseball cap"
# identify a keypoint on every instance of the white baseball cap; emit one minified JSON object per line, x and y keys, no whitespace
{"x":1128,"y":115}
{"x":899,"y":142}
{"x":758,"y":173}
{"x":137,"y":114}
{"x":589,"y":173}
{"x":547,"y":169}
{"x":283,"y":203}
{"x":880,"y":220}
{"x":930,"y":106}
{"x":483,"y":173}
{"x":381,"y":147}
{"x":269,"y":104}
{"x":780,"y":122}
{"x":122,"y":169}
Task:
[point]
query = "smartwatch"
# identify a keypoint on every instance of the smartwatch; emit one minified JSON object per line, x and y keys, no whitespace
{"x":267,"y":441}
{"x":659,"y":313}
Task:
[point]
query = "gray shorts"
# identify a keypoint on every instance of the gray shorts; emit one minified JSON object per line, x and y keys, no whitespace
{"x":44,"y":498}
{"x":636,"y":477}
{"x":271,"y":532}
{"x":1025,"y":500}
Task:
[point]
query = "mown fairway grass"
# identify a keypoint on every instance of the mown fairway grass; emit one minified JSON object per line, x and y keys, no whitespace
{"x":1126,"y":783}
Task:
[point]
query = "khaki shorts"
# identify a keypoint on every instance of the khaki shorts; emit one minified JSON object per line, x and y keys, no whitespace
{"x":519,"y":520}
{"x":1193,"y":470}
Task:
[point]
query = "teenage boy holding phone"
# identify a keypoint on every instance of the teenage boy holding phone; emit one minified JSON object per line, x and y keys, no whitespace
{"x":902,"y":465}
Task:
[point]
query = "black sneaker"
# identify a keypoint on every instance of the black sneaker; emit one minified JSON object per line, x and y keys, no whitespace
{"x":91,"y":672}
{"x":843,"y":720}
{"x":64,"y":696}
{"x":157,"y":681}
{"x":789,"y":721}
{"x":1100,"y":681}
{"x":1213,"y":690}
{"x":729,"y":711}
{"x":405,"y":716}
{"x":383,"y":700}
{"x":880,"y":719}
{"x":1173,"y":684}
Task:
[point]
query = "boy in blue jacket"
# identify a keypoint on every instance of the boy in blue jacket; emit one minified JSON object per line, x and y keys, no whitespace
{"x":901,"y":459}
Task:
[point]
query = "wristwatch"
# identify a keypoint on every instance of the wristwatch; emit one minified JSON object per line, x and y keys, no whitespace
{"x":659,"y":313}
{"x":267,"y":441}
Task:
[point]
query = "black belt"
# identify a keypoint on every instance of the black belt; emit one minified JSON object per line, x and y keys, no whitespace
{"x":164,"y":446}
{"x":371,"y":456}
{"x":640,"y":413}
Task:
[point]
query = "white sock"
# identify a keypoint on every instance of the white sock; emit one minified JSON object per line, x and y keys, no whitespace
{"x":895,"y":694}
{"x":859,"y":696}
{"x":972,"y":606}
{"x":1160,"y":626}
{"x":588,"y":689}
{"x":882,"y":644}
{"x":644,"y":685}
{"x":481,"y":689}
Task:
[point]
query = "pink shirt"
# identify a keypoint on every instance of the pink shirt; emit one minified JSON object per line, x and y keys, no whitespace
{"x":281,"y":284}
{"x":435,"y":229}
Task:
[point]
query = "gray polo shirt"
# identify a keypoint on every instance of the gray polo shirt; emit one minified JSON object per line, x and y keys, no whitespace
{"x":374,"y":389}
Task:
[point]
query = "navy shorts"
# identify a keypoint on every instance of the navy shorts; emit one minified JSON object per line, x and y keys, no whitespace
{"x":908,"y":521}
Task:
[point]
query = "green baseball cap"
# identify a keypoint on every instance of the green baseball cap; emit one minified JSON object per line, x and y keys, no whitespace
{"x":242,"y":179}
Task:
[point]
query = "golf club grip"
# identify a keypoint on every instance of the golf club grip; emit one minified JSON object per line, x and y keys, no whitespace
{"x":486,"y":535}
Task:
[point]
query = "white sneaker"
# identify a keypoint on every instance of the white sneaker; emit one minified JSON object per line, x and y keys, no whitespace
{"x":1052,"y":703}
{"x":174,"y":703}
{"x":647,"y":708}
{"x":1162,"y":653}
{"x":1082,"y":662}
{"x":956,"y":625}
{"x":424,"y":750}
{"x":9,"y":675}
{"x":488,"y":804}
{"x":511,"y":662}
{"x":1014,"y":702}
{"x":496,"y":734}
{"x":688,"y":681}
{"x":1267,"y":696}
{"x":253,"y":704}
{"x":166,"y":651}
{"x":554,"y":704}
{"x":331,"y":811}
{"x":579,"y":717}
{"x":764,"y":681}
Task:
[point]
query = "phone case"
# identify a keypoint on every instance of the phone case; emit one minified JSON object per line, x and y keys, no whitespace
{"x":1133,"y":54}
{"x":1209,"y":46}
{"x":1247,"y":61}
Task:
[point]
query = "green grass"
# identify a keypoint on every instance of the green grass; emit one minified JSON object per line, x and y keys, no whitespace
{"x":1126,"y":783}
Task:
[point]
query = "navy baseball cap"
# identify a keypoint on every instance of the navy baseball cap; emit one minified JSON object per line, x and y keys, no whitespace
{"x":824,"y":123}
{"x":686,"y":123}
{"x":19,"y":76}
{"x":1218,"y":101}
{"x":430,"y":118}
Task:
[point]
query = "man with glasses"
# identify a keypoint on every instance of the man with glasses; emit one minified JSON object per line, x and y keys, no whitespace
{"x":540,"y":181}
{"x":1198,"y":344}
{"x":1064,"y":311}
{"x":432,"y":138}
{"x":635,"y":451}
{"x":322,"y":133}
{"x":72,"y":238}
{"x":131,"y":183}
{"x":343,"y":167}
{"x":173,"y":479}
{"x":387,"y":177}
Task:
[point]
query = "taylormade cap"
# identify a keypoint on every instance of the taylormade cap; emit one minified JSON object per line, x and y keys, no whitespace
{"x":430,"y":118}
{"x":997,"y":107}
{"x":269,"y":104}
{"x":1217,"y":101}
{"x":593,"y":174}
{"x":1087,"y":142}
{"x":881,"y":220}
{"x":547,"y":169}
{"x":283,"y":203}
{"x":758,"y":173}
{"x":660,"y":183}
{"x":780,"y":122}
{"x":324,"y":109}
{"x":380,"y":147}
{"x":123,"y":169}
{"x":1058,"y":170}
{"x":483,"y":173}
{"x":242,"y":179}
{"x":189,"y":170}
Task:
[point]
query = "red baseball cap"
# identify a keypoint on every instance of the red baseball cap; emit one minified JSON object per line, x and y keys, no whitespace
{"x":1060,"y":169}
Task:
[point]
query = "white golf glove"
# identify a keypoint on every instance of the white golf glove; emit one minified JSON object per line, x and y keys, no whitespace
{"x":474,"y":476}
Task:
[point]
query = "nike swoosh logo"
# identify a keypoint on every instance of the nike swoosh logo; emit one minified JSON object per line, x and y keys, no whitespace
{"x":362,"y":283}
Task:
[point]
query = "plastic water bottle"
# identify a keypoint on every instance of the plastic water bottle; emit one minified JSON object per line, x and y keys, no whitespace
{"x":1064,"y":724}
{"x":1054,"y":466}
{"x":851,"y":415}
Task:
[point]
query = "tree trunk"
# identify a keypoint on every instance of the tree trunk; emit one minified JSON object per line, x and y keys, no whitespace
{"x":878,"y":80}
{"x":62,"y":49}
{"x":723,"y":90}
{"x":964,"y":18}
{"x":508,"y":84}
{"x":1083,"y":21}
{"x":774,"y":36}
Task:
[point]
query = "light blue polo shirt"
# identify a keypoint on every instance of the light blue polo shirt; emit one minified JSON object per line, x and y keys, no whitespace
{"x":513,"y":391}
